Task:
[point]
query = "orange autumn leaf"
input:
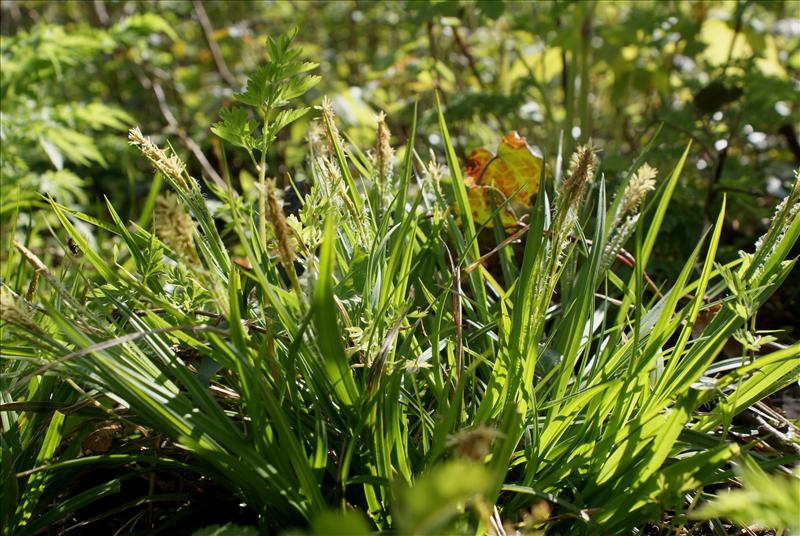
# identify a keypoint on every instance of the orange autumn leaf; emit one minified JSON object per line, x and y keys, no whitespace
{"x":513,"y":174}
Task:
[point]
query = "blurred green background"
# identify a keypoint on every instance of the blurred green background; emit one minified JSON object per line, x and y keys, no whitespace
{"x":76,"y":75}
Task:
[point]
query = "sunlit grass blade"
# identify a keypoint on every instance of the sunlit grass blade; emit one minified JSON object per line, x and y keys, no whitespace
{"x":325,"y":315}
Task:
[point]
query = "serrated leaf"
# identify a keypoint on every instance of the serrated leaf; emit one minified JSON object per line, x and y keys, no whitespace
{"x":98,"y":115}
{"x":299,"y":86}
{"x":75,"y":146}
{"x":236,"y":128}
{"x":257,"y":90}
{"x":279,"y":80}
{"x":298,"y":68}
{"x":285,"y":117}
{"x":764,"y":501}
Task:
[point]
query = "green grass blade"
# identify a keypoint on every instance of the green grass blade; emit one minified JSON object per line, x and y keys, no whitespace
{"x":325,"y":320}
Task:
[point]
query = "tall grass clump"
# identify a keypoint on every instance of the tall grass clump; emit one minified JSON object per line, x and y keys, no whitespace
{"x":362,"y":354}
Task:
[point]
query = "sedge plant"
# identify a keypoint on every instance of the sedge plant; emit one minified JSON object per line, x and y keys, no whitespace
{"x":360,"y":364}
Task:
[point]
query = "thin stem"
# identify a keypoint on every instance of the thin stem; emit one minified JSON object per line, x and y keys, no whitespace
{"x":262,"y":182}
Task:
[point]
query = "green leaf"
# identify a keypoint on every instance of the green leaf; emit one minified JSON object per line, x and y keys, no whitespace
{"x":428,"y":506}
{"x":142,"y":25}
{"x":38,"y":481}
{"x":340,"y":524}
{"x":284,"y":118}
{"x":299,"y":68}
{"x":75,"y":146}
{"x":257,"y":90}
{"x":763,"y":501}
{"x":236,"y":127}
{"x":74,"y":503}
{"x":53,"y":153}
{"x":299,"y":86}
{"x":325,"y":319}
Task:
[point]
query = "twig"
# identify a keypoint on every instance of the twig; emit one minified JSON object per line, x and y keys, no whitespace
{"x":532,"y":77}
{"x":787,"y":131}
{"x":785,"y":439}
{"x":745,"y":191}
{"x":483,"y":258}
{"x":497,"y":523}
{"x":695,"y":139}
{"x":462,"y":44}
{"x":434,"y":57}
{"x":467,"y":54}
{"x":224,"y":392}
{"x":208,"y":31}
{"x":101,"y":12}
{"x":722,"y":157}
{"x":772,"y":413}
{"x":185,"y":138}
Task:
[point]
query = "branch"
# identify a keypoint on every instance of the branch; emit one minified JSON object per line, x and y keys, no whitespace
{"x":208,"y":31}
{"x":187,"y":141}
{"x":470,"y":59}
{"x":101,"y":12}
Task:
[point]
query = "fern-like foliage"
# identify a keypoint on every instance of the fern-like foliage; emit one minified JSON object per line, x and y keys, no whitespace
{"x":269,"y":92}
{"x":52,"y":124}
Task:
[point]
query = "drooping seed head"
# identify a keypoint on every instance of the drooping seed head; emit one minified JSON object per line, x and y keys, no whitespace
{"x":618,"y":238}
{"x":170,"y":165}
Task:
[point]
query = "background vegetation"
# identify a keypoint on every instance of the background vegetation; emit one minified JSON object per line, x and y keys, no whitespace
{"x":164,"y":353}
